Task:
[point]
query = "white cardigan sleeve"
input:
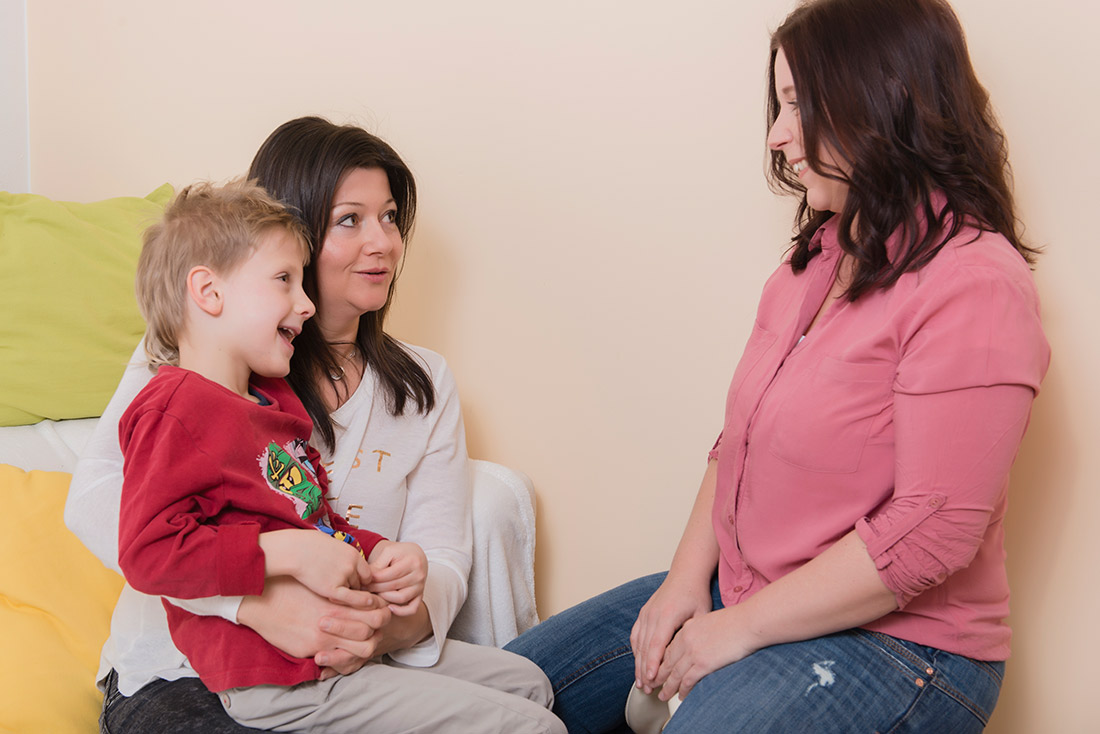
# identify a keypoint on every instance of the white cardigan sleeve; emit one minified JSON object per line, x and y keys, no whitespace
{"x":91,"y":509}
{"x":437,"y":517}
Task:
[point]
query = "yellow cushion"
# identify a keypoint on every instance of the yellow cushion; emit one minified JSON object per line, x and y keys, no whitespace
{"x":67,"y":294}
{"x":55,"y":610}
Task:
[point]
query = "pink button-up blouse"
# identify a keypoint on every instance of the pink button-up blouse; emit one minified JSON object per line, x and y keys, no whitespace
{"x":898,"y":415}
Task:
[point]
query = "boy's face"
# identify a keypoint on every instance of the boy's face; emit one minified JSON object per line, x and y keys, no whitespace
{"x":265,"y":306}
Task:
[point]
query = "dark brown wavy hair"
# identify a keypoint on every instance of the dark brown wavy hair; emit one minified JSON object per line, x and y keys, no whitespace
{"x":302,"y":163}
{"x":888,"y":87}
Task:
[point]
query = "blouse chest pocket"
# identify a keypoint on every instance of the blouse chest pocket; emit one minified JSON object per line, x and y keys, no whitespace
{"x":747,"y":378}
{"x":824,"y":416}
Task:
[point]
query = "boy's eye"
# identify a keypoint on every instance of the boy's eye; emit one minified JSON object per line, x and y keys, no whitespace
{"x":283,"y":277}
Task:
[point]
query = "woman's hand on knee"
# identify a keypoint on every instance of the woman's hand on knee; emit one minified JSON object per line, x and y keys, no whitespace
{"x":703,"y":645}
{"x":666,"y":611}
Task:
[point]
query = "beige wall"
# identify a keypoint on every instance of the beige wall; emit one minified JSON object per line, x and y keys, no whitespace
{"x":14,"y":165}
{"x":595,"y":231}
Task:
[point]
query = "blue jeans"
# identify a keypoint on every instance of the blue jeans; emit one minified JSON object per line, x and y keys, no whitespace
{"x":852,"y":681}
{"x":181,"y":706}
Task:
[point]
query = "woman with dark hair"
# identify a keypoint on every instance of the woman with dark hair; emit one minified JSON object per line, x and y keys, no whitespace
{"x":389,"y":427}
{"x":303,"y":164}
{"x":843,"y":566}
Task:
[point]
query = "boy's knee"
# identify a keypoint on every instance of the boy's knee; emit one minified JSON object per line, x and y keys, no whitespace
{"x":530,"y":682}
{"x":556,"y":726}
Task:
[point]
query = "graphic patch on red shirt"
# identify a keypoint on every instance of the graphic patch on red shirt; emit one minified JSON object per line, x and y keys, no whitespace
{"x":289,"y":473}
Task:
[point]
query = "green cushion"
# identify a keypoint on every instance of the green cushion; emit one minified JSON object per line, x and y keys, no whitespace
{"x":70,"y":320}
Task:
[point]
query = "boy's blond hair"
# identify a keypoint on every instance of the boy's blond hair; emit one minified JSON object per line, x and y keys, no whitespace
{"x":205,"y":224}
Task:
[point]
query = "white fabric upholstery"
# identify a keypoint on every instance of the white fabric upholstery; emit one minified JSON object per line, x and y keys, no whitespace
{"x":501,"y":599}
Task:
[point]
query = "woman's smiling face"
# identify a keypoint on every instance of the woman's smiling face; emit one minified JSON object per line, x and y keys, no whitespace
{"x":361,"y":252}
{"x":822,"y":193}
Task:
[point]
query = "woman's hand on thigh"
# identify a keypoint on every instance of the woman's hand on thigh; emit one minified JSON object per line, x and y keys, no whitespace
{"x":673,"y":604}
{"x":703,"y":645}
{"x":305,"y":625}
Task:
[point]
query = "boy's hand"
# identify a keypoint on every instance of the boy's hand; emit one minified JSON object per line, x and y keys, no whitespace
{"x":324,"y":565}
{"x":398,"y":574}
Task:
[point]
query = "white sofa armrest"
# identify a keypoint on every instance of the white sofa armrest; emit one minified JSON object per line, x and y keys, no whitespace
{"x":500,"y":603}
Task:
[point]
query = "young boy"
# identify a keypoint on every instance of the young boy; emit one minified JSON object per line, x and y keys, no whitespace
{"x":221,"y":489}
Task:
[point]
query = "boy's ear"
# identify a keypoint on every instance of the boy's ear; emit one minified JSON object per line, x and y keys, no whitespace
{"x":204,"y":288}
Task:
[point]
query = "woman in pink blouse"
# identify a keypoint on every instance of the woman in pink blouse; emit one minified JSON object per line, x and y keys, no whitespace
{"x":843,"y":566}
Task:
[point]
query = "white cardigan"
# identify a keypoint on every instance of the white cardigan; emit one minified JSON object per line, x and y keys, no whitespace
{"x":406,"y":478}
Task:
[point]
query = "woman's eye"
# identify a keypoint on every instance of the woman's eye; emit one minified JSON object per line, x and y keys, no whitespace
{"x":390,"y":217}
{"x":348,"y":220}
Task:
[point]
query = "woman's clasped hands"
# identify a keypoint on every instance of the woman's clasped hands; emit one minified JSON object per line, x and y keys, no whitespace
{"x":679,"y":638}
{"x":340,"y":638}
{"x":324,"y":600}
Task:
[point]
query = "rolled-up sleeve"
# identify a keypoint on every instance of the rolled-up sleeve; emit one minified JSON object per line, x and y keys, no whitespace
{"x":712,"y":455}
{"x":973,"y":357}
